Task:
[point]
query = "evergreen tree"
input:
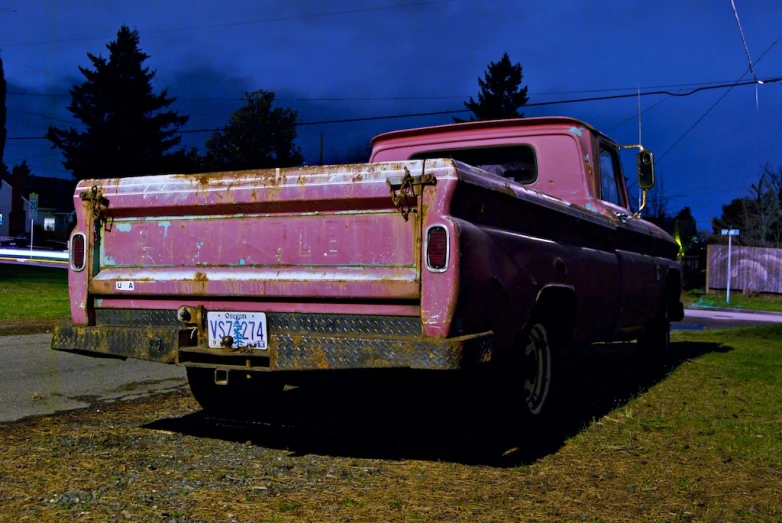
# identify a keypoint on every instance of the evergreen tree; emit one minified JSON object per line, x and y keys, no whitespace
{"x":257,"y":137}
{"x":685,"y":228}
{"x":3,"y":132}
{"x":501,"y":93}
{"x":127,"y":129}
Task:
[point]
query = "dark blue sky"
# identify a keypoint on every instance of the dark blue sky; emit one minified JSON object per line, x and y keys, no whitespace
{"x":384,"y":57}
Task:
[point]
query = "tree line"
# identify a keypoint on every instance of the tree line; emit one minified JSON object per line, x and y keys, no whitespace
{"x":757,"y":215}
{"x":129,"y":130}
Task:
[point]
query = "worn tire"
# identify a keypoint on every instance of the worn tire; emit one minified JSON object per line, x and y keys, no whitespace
{"x":655,"y":345}
{"x":534,"y":374}
{"x":241,"y":397}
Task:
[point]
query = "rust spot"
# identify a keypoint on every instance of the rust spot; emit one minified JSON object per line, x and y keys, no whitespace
{"x":200,"y":276}
{"x":203,"y":179}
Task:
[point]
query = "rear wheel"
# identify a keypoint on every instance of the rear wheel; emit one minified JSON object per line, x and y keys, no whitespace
{"x":534,"y":373}
{"x":537,"y":366}
{"x":243,"y":395}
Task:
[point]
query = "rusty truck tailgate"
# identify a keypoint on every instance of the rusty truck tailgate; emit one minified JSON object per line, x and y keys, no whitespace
{"x":314,"y":233}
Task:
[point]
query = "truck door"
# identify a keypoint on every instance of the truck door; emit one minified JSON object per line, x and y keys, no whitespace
{"x":633,"y":244}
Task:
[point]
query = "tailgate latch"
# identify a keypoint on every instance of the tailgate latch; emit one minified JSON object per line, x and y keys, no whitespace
{"x":404,"y":191}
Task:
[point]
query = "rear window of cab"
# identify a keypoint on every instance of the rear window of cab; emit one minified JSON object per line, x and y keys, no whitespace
{"x":514,"y":162}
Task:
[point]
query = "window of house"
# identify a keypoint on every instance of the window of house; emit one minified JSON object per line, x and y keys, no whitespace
{"x":48,"y":223}
{"x":514,"y":162}
{"x":610,"y":184}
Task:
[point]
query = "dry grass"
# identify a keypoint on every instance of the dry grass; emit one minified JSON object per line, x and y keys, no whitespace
{"x":699,"y":444}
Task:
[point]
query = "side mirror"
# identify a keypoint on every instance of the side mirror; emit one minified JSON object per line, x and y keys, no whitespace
{"x":645,"y":162}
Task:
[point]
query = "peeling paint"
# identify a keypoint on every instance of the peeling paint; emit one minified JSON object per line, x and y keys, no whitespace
{"x":123,"y":227}
{"x":242,"y":262}
{"x":576,"y":131}
{"x":165,"y":226}
{"x":591,"y":207}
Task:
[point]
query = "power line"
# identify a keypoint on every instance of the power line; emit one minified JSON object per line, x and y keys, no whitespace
{"x":635,"y":116}
{"x":730,"y":88}
{"x":395,"y":98}
{"x":459,"y":111}
{"x":43,"y":116}
{"x":707,"y":189}
{"x":13,"y":160}
{"x":774,"y":143}
{"x":239,"y":23}
{"x":6,"y":60}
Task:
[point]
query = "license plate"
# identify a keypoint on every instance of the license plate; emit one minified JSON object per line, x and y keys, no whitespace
{"x":248,"y":329}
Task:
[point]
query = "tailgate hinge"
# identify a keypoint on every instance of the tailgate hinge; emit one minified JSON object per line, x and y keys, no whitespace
{"x":98,"y":208}
{"x":404,"y":191}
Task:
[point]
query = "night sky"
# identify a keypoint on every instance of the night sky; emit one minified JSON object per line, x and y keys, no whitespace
{"x":342,"y":59}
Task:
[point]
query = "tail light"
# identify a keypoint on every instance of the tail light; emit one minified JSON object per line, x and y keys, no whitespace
{"x":78,"y":251}
{"x":437,"y":248}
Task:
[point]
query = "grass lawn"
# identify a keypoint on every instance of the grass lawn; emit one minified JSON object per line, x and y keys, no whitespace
{"x":701,"y":443}
{"x":33,"y":293}
{"x":697,"y":298}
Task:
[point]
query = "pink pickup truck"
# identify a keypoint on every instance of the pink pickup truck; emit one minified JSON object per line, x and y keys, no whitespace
{"x":483,"y":244}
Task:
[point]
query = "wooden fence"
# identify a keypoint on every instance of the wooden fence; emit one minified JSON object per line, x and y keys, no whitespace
{"x":754,"y":269}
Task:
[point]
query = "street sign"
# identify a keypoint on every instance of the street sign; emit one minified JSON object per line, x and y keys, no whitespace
{"x":730,"y":233}
{"x":33,"y":206}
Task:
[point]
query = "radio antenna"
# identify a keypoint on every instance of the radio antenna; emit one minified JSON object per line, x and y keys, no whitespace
{"x":640,"y":192}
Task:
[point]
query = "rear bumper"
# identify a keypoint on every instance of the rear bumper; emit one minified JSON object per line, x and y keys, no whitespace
{"x":286,"y":352}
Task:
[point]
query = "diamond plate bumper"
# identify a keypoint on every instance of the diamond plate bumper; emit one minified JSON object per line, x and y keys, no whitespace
{"x":287,"y":352}
{"x":153,"y":343}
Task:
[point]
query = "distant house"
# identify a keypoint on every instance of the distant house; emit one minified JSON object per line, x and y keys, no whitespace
{"x":56,"y":214}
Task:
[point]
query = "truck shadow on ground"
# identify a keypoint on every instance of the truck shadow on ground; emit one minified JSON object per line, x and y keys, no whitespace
{"x":431,"y":416}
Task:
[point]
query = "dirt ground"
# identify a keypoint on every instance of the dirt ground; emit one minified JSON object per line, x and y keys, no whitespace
{"x":402,"y":448}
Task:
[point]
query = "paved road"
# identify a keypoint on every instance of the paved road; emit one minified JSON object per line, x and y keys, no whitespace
{"x":723,"y":319}
{"x":36,"y":380}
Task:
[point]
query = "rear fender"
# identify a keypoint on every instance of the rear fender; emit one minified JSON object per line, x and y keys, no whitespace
{"x":558,"y":305}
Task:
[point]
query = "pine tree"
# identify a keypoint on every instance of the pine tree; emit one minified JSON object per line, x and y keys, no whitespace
{"x":501,"y":93}
{"x":127,"y":129}
{"x":257,"y":137}
{"x":3,"y":132}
